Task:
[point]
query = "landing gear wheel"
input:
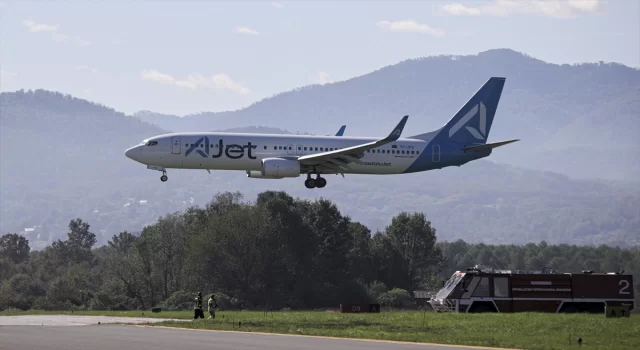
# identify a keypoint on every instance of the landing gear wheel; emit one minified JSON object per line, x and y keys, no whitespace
{"x":320,"y":182}
{"x":310,"y":183}
{"x":164,"y":177}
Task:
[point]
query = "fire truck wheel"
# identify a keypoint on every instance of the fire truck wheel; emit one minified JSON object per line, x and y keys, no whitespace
{"x":570,"y":309}
{"x":482,"y":307}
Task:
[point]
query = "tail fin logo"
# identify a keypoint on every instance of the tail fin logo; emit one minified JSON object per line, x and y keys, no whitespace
{"x":397,"y":132}
{"x":478,"y":134}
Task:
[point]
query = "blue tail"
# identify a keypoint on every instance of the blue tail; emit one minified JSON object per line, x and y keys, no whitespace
{"x":471,"y":125}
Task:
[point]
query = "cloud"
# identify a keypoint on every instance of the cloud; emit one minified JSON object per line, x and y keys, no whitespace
{"x":321,"y":78}
{"x":196,"y":81}
{"x":409,"y":26}
{"x":37,"y":27}
{"x":81,"y":68}
{"x":550,"y":8}
{"x":246,"y":30}
{"x":55,"y":34}
{"x":276,"y":4}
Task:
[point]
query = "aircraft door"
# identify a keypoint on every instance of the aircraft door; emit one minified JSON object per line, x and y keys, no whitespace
{"x":175,"y":144}
{"x":299,"y":150}
{"x":436,"y":153}
{"x":290,"y":150}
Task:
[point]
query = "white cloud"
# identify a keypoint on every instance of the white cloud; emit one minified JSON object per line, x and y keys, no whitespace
{"x":246,"y":30}
{"x":276,"y":4}
{"x":92,"y":70}
{"x":409,"y":26}
{"x":38,"y":27}
{"x":195,"y":81}
{"x":550,"y":8}
{"x":157,"y":77}
{"x":321,"y":78}
{"x":55,"y":35}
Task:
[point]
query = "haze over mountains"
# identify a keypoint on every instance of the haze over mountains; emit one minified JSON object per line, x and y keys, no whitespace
{"x":580,"y":120}
{"x":62,"y":157}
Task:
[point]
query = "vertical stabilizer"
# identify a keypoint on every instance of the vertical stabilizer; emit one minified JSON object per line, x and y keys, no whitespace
{"x":471,"y":124}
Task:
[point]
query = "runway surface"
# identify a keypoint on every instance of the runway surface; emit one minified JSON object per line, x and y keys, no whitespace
{"x":83,"y":332}
{"x":68,"y":320}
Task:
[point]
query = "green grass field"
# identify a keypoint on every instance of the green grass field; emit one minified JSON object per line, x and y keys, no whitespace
{"x":523,"y":330}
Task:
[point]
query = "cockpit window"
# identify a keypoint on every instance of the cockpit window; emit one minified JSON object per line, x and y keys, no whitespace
{"x":152,"y":143}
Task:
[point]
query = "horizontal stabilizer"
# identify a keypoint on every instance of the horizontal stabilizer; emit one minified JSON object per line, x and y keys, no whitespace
{"x":486,"y":146}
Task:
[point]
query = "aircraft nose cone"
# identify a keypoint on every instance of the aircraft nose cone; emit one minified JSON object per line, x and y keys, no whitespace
{"x":133,"y":153}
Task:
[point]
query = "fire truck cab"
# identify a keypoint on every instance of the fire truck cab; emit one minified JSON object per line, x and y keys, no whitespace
{"x":480,"y":289}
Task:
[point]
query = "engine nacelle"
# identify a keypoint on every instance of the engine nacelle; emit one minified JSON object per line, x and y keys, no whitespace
{"x":258,"y":175}
{"x":279,"y":168}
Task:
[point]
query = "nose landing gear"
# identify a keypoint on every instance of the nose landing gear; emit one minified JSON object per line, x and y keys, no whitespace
{"x":318,"y":182}
{"x":164,"y":177}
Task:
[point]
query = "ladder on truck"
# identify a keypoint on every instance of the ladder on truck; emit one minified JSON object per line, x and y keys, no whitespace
{"x":444,"y":305}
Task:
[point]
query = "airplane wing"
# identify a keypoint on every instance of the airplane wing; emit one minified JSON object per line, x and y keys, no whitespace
{"x":340,"y":158}
{"x":341,"y":131}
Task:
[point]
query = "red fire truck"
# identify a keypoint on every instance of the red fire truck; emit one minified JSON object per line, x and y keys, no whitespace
{"x":480,"y":289}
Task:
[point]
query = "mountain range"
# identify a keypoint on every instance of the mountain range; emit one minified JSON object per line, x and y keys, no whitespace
{"x":581,"y":120}
{"x":571,"y":179}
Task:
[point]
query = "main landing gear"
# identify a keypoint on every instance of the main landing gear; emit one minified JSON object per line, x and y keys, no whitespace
{"x":164,"y":177}
{"x":318,"y":182}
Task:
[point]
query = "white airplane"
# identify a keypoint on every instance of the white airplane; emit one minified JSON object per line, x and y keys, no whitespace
{"x":270,"y":156}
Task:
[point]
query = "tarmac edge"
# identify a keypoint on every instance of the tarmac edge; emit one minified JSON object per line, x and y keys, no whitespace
{"x":326,"y":337}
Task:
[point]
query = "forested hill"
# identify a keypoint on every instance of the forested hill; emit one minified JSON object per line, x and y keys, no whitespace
{"x":274,"y":252}
{"x":171,"y":122}
{"x":63,"y":158}
{"x":581,"y":120}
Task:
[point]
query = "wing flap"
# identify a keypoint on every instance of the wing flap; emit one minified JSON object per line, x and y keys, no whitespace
{"x":353,"y":153}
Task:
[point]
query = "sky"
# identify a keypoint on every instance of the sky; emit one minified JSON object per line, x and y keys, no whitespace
{"x":188,"y":57}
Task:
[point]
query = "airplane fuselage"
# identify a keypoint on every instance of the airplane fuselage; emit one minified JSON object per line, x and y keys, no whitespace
{"x":269,"y":156}
{"x":228,"y":151}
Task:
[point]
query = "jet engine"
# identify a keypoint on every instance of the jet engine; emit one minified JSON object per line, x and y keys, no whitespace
{"x":258,"y":175}
{"x":277,"y":168}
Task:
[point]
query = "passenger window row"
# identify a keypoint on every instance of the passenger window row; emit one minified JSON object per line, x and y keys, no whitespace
{"x":393,"y":151}
{"x":328,"y":149}
{"x":301,"y":148}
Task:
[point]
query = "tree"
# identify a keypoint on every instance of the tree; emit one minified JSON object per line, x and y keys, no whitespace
{"x":360,"y":257}
{"x":79,"y":235}
{"x":168,"y":243}
{"x":123,"y":242}
{"x":80,"y":241}
{"x":415,"y":240}
{"x":14,"y":247}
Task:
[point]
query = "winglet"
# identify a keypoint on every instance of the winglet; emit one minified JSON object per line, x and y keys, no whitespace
{"x":395,"y":134}
{"x":341,"y":131}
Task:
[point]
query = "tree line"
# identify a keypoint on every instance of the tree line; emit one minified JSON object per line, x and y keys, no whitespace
{"x":276,"y":252}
